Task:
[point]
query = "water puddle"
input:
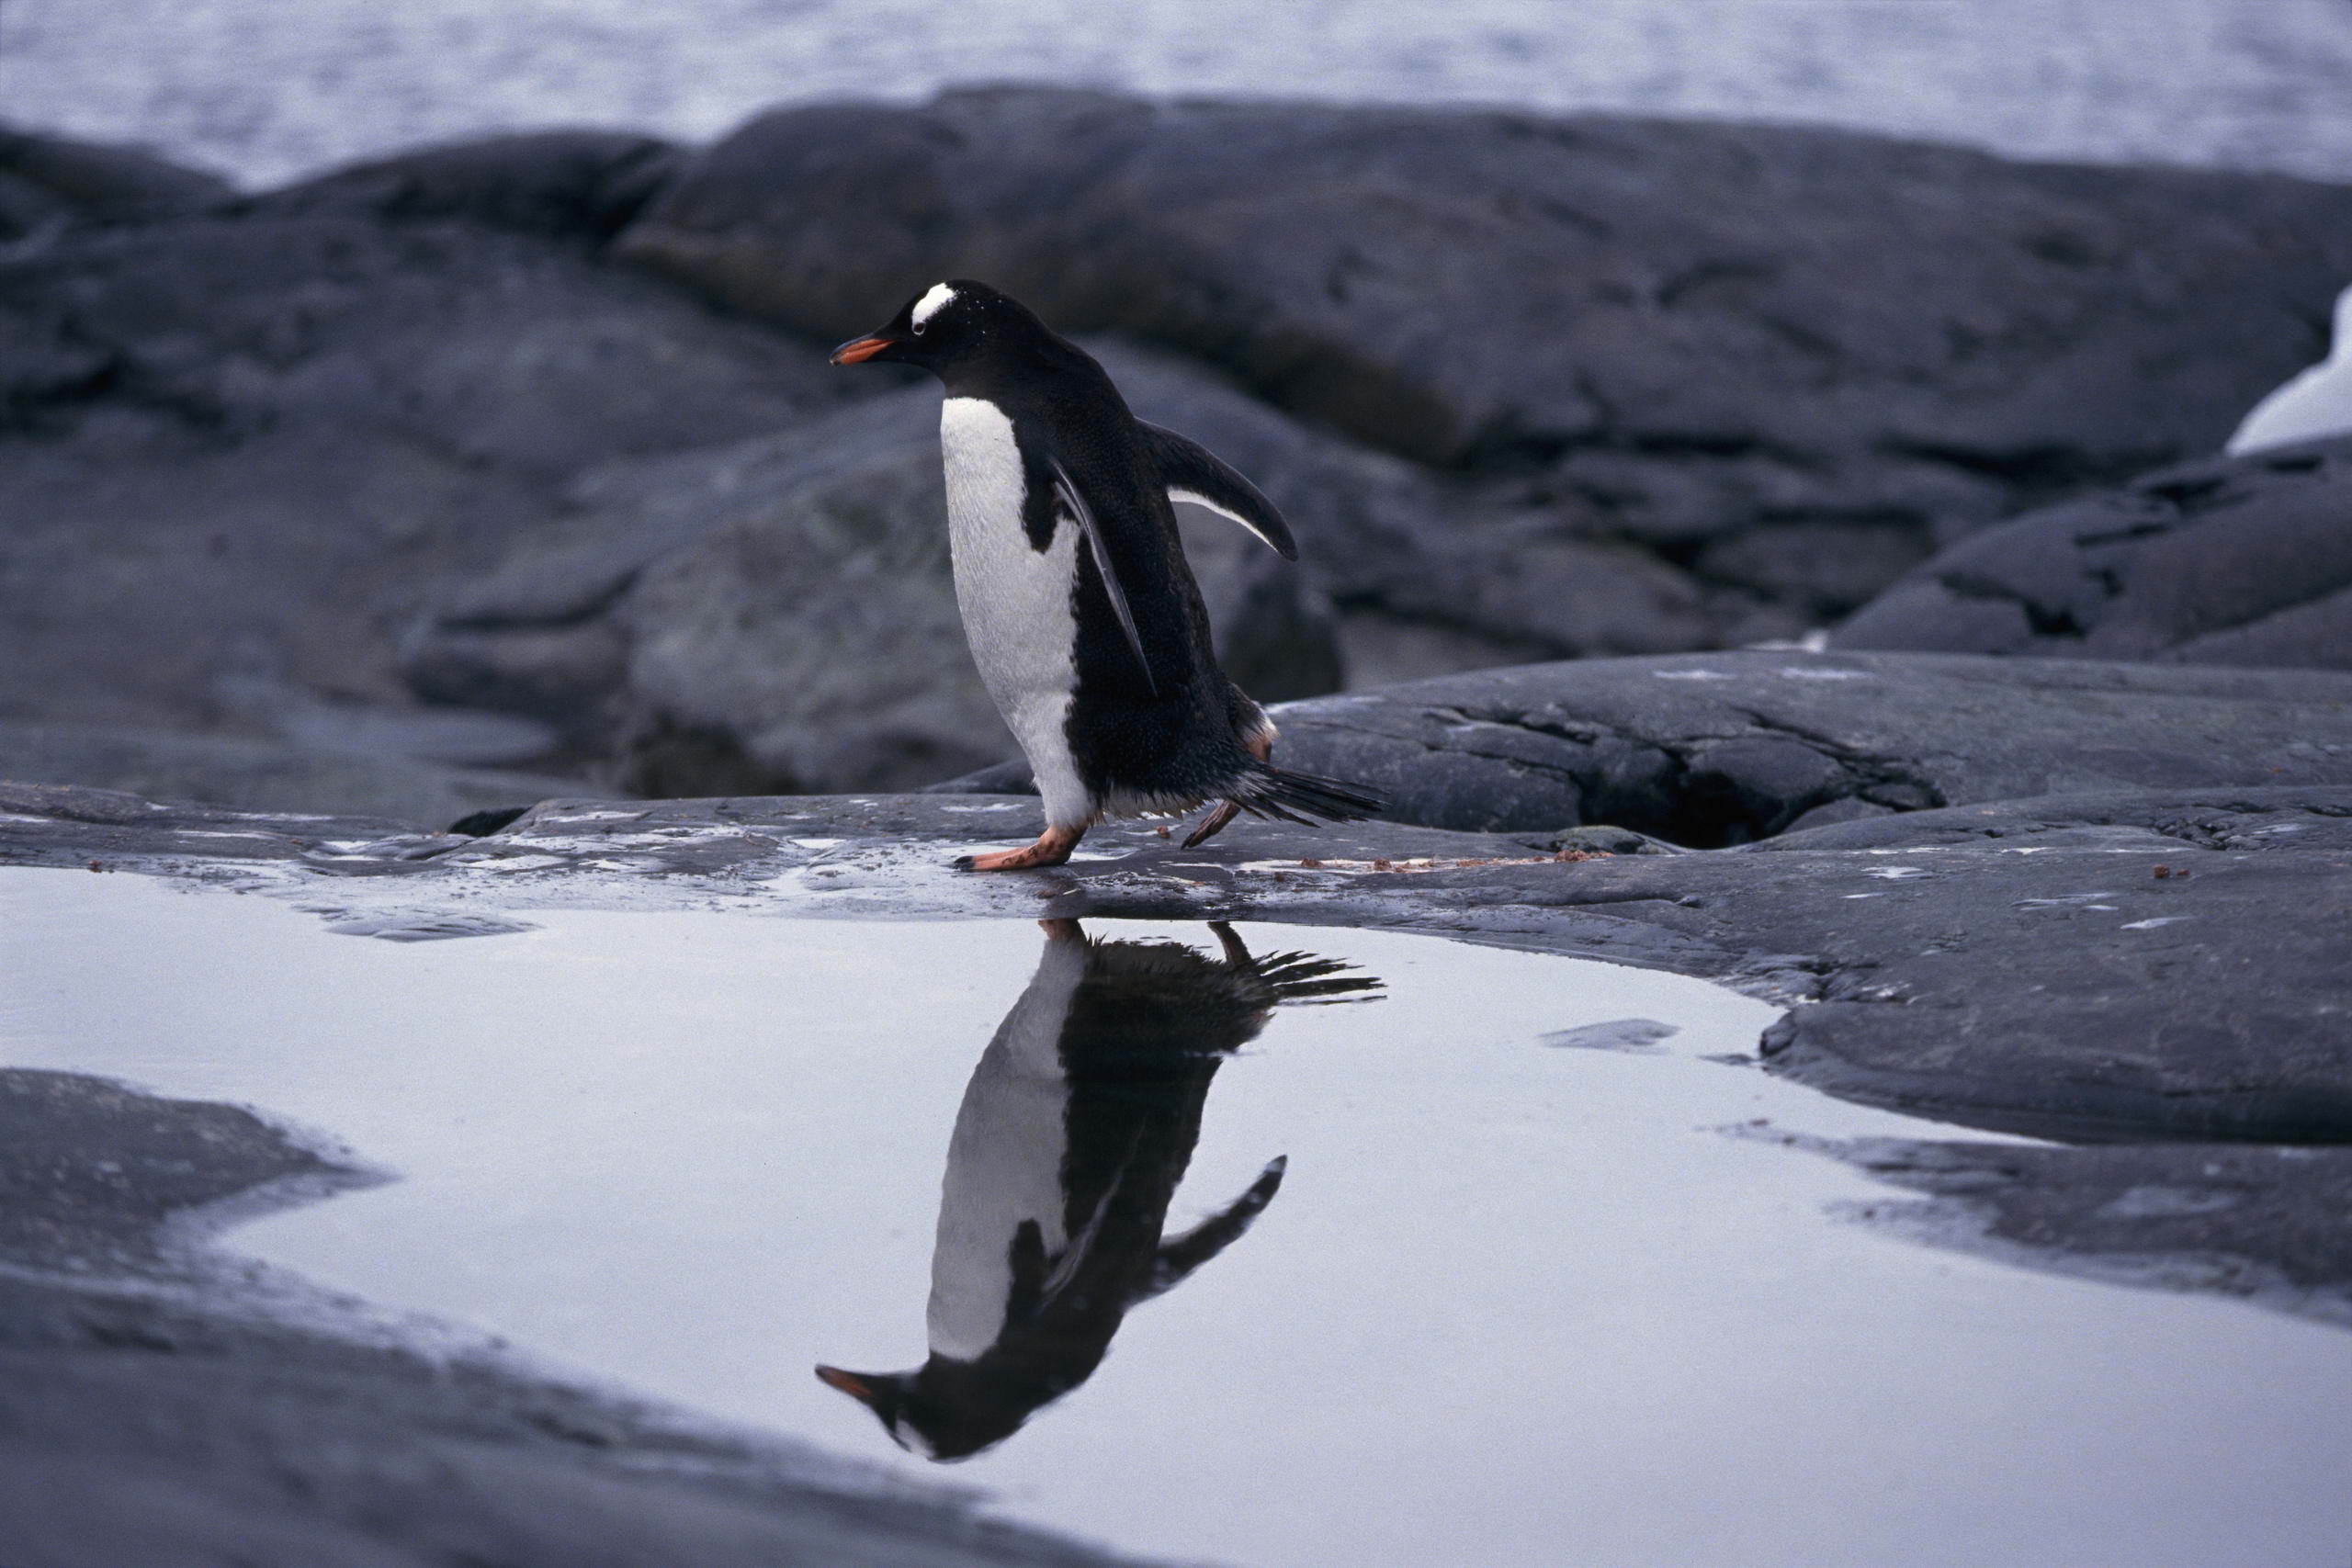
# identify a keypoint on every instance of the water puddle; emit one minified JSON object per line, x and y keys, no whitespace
{"x":1272,"y":1245}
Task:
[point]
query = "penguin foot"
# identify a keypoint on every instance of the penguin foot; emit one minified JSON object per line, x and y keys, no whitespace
{"x":1258,"y":744}
{"x":1052,"y":848}
{"x":1213,"y":824}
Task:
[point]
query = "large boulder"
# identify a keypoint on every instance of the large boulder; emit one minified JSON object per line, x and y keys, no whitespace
{"x":1725,"y":749}
{"x":778,"y":613}
{"x":1796,"y":360}
{"x":250,"y":449}
{"x":50,"y":182}
{"x":2245,"y":560}
{"x":562,"y":183}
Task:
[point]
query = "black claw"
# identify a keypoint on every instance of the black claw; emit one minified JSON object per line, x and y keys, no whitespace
{"x":965,"y":862}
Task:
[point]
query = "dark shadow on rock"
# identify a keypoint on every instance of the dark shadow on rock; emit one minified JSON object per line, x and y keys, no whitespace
{"x":482,"y":824}
{"x":1073,"y":1134}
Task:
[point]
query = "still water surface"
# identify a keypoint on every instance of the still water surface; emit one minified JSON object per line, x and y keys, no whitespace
{"x":1373,"y":1274}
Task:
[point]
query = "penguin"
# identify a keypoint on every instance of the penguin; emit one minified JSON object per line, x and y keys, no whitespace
{"x":1073,"y":1134}
{"x":2312,"y":404}
{"x":1081,"y":614}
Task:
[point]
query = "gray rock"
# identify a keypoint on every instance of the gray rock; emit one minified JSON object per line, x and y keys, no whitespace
{"x":2218,"y":819}
{"x":51,"y":182}
{"x":1675,"y":332}
{"x":253,"y":448}
{"x":2243,"y":560}
{"x":583,"y":185}
{"x":1723,"y":749}
{"x":90,"y":1171}
{"x":2257,"y":1223}
{"x":242,"y":775}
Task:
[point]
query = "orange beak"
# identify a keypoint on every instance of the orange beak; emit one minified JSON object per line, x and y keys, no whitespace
{"x":858,"y":350}
{"x":850,"y":1383}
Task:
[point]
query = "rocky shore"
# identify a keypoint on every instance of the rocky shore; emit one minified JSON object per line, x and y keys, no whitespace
{"x":372,"y":540}
{"x":537,"y":428}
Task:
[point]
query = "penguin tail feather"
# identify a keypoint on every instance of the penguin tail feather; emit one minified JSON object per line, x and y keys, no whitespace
{"x":1304,"y":799}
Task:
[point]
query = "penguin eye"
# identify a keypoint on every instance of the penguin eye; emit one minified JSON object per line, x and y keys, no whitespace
{"x":919,"y":327}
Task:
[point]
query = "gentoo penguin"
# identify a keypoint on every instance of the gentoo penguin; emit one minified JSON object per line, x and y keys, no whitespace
{"x":1081,"y":613}
{"x":1073,"y":1134}
{"x":2312,"y":404}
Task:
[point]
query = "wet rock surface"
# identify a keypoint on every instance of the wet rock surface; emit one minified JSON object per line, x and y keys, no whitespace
{"x":92,"y":1173}
{"x":1726,"y":748}
{"x":246,"y":774}
{"x":2225,"y":561}
{"x":2116,"y":965}
{"x":2266,"y":1224}
{"x":2151,"y":975}
{"x":151,"y":1426}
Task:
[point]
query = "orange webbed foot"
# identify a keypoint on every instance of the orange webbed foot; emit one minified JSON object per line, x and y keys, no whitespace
{"x":1052,"y":848}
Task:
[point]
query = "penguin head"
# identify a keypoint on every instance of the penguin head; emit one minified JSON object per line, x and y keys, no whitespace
{"x":885,"y":1394}
{"x":945,"y":1410}
{"x":949,"y":327}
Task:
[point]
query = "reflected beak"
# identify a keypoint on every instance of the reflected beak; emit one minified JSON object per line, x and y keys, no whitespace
{"x":858,"y":350}
{"x":850,"y":1383}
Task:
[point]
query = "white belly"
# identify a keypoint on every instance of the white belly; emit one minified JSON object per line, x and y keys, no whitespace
{"x":1017,"y":602}
{"x":1004,"y":1162}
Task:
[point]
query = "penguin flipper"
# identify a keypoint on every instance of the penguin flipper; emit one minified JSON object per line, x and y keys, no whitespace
{"x":1075,"y":505}
{"x":1181,"y":1255}
{"x":1193,"y":474}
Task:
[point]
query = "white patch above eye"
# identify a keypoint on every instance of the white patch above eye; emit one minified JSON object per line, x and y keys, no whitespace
{"x":931,"y":304}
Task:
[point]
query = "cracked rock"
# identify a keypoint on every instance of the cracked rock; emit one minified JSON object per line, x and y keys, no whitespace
{"x":1726,"y":748}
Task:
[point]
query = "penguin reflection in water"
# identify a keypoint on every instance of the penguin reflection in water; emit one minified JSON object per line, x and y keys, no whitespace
{"x":1082,"y":616}
{"x":1073,"y":1134}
